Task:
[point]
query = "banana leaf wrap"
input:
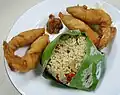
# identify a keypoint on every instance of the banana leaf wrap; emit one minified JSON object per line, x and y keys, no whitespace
{"x":92,"y":68}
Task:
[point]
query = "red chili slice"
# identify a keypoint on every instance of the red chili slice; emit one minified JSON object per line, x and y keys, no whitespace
{"x":69,"y":76}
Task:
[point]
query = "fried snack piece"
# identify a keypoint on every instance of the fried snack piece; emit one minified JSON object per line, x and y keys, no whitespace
{"x":98,"y":17}
{"x":73,"y":23}
{"x":90,"y":16}
{"x":25,"y":38}
{"x":32,"y":56}
{"x":54,"y":25}
{"x":108,"y":33}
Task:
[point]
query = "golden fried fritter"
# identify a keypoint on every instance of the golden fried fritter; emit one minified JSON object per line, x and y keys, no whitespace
{"x":32,"y":56}
{"x":73,"y":23}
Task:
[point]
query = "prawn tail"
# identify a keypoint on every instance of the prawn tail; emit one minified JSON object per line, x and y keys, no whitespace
{"x":108,"y":35}
{"x":15,"y":62}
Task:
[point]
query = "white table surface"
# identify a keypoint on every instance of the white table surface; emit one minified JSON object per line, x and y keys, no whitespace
{"x":10,"y":11}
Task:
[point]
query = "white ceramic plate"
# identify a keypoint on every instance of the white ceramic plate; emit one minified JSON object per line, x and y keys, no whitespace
{"x":32,"y":83}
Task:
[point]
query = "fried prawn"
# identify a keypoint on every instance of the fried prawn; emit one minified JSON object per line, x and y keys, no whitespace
{"x":73,"y":23}
{"x":97,"y":17}
{"x":90,"y":16}
{"x":30,"y":59}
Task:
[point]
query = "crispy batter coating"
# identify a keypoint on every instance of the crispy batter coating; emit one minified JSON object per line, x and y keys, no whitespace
{"x":108,"y":33}
{"x":73,"y":23}
{"x":25,"y":38}
{"x":91,"y":16}
{"x":32,"y":56}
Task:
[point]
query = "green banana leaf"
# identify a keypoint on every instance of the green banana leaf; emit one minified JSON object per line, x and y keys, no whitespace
{"x":92,"y":69}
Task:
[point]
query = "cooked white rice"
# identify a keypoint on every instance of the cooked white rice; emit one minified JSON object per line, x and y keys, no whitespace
{"x":67,"y":57}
